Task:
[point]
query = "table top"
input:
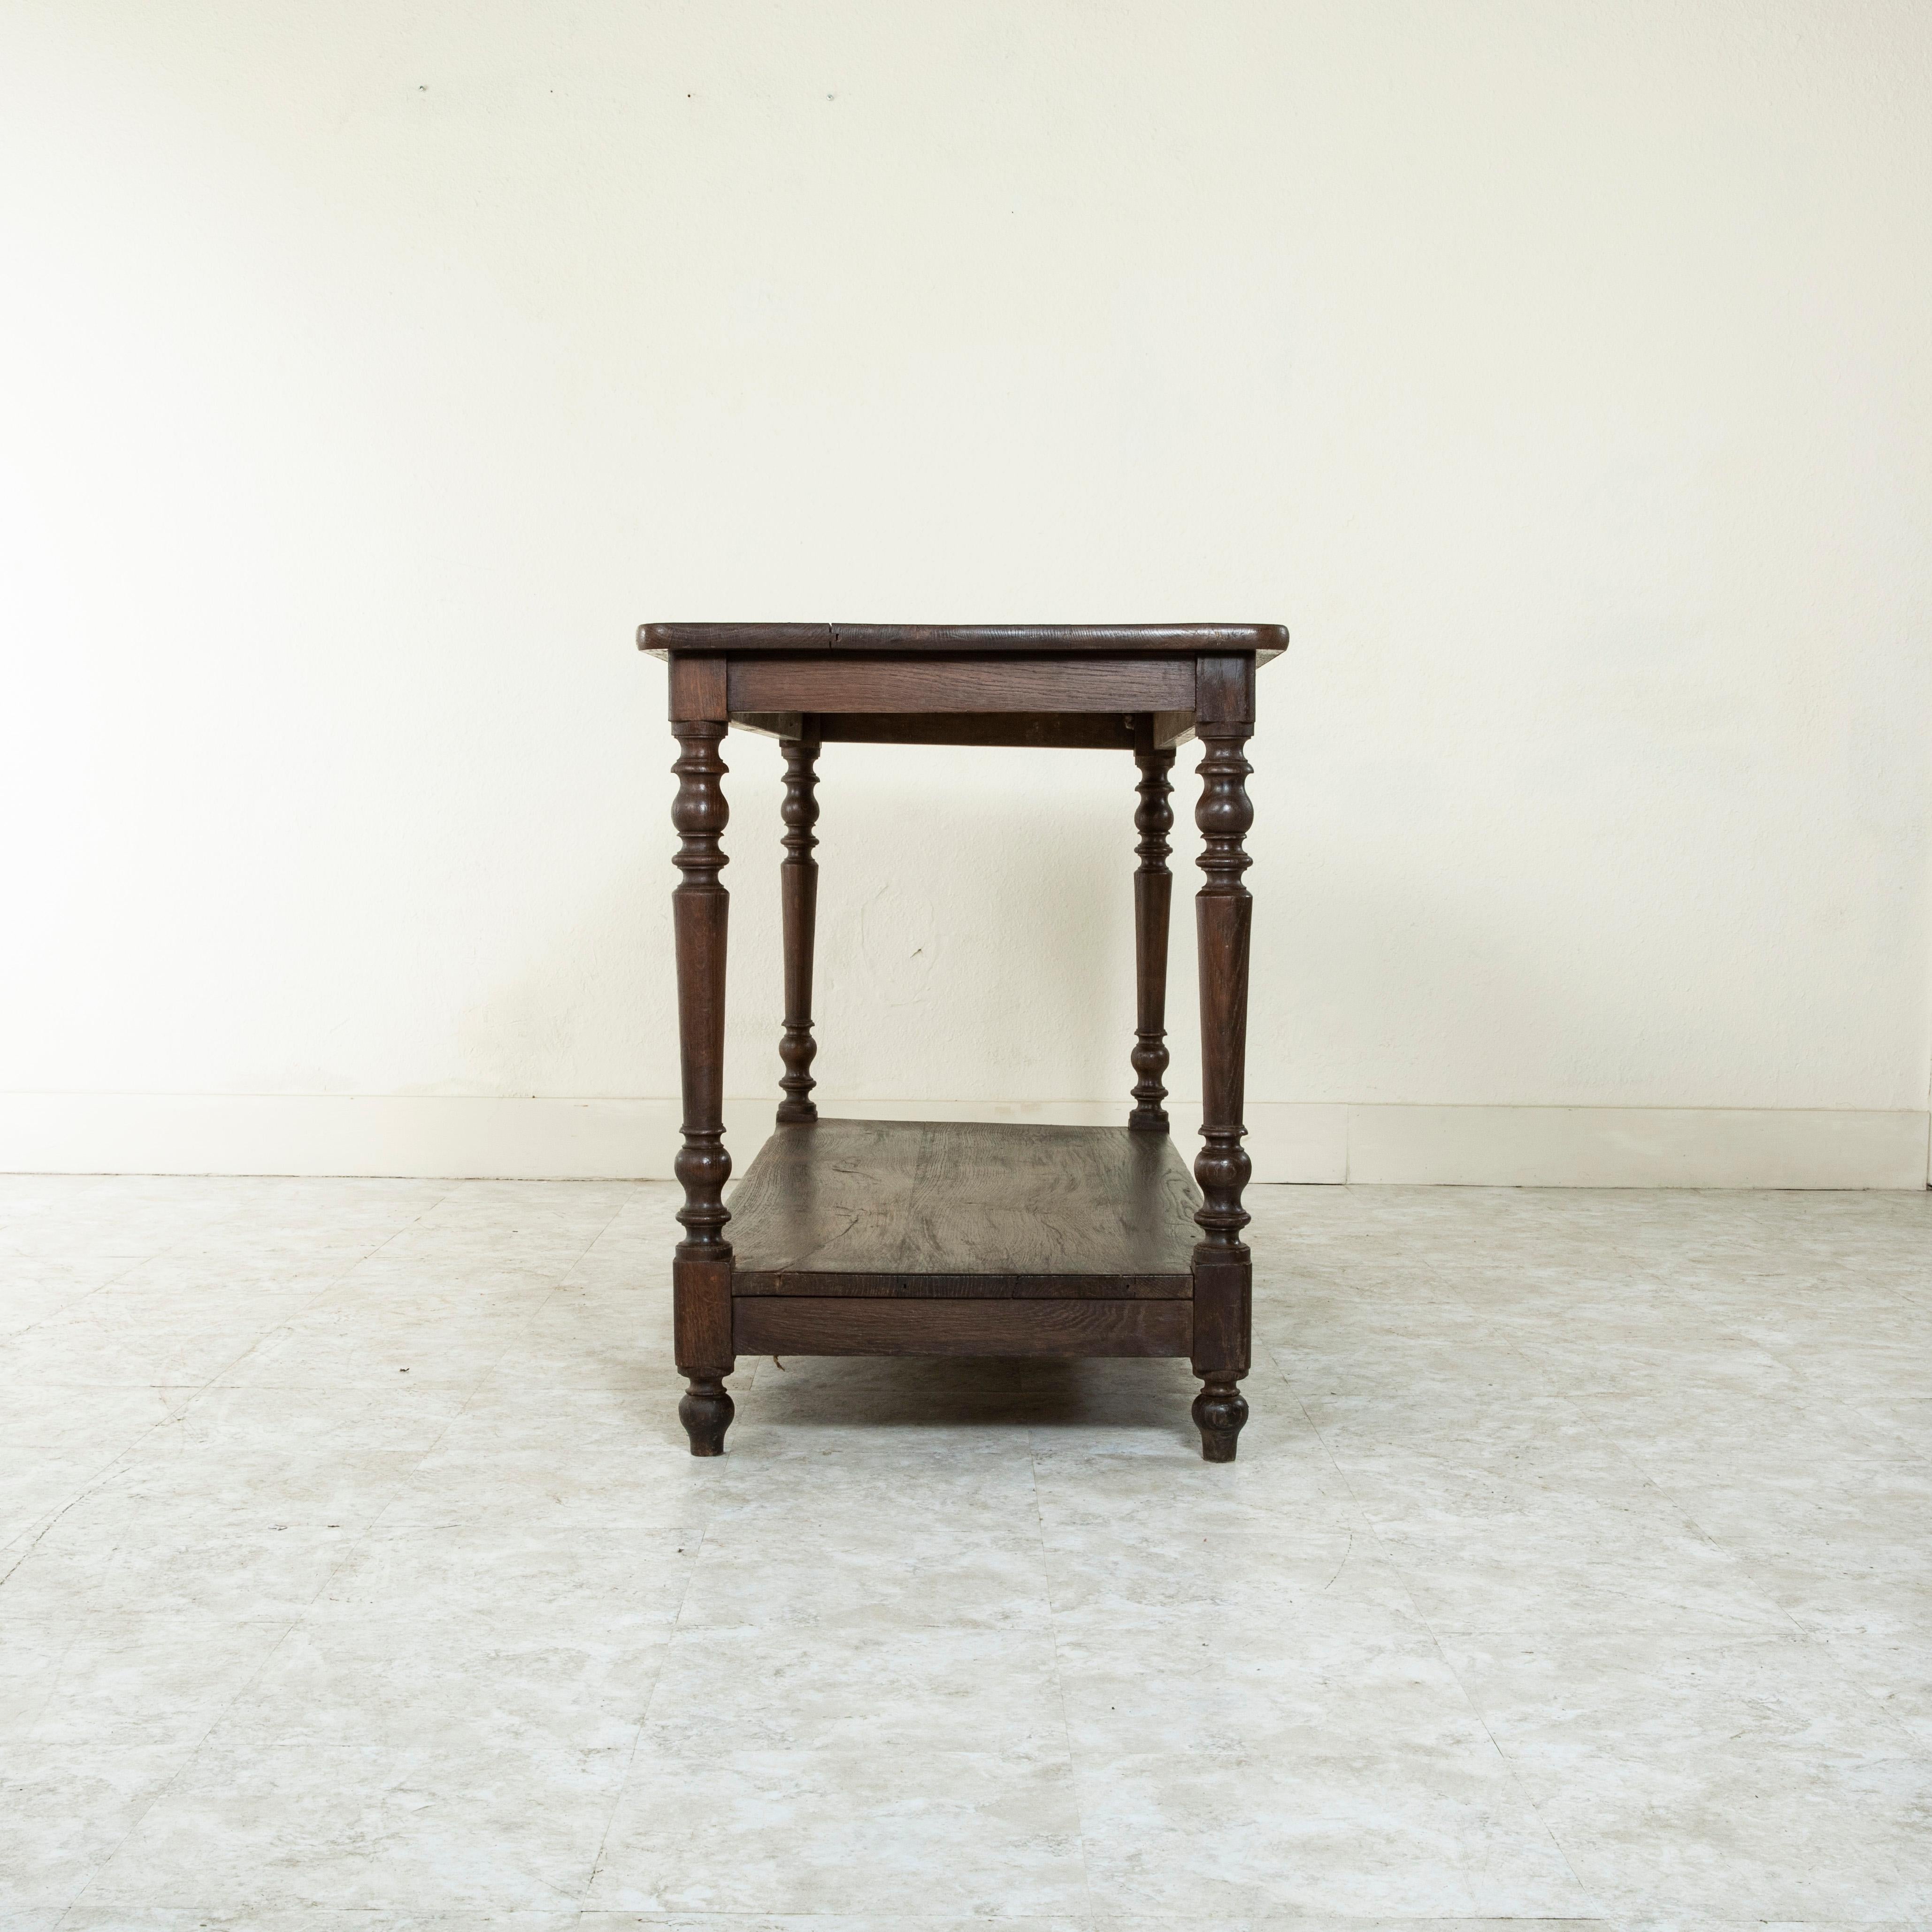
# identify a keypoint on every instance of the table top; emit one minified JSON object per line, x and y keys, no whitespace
{"x":1265,"y":641}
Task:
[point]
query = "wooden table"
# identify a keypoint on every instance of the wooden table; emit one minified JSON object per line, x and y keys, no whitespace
{"x":870,"y":1237}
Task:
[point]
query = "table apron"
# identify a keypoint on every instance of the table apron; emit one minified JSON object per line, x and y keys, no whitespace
{"x":905,"y":685}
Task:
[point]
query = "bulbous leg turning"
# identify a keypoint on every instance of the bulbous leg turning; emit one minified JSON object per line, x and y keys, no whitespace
{"x":706,"y":1410}
{"x":1220,"y":1410}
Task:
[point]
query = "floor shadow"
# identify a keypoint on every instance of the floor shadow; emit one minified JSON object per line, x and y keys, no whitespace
{"x":917,"y":1392}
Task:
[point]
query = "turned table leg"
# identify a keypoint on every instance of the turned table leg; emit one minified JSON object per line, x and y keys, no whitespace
{"x":1154,"y":887}
{"x":701,"y":1271}
{"x":798,"y":895}
{"x":1222,"y":1271}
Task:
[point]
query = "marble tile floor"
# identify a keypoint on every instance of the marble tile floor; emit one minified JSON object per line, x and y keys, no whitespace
{"x":1577,"y":1569}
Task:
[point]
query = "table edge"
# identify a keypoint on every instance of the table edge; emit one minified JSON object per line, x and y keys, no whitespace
{"x":1266,"y":641}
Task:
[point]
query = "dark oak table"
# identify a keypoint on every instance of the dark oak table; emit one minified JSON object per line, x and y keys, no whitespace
{"x":874,"y":1238}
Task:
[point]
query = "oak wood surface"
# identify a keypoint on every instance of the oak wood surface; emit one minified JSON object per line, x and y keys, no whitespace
{"x":829,"y":1325}
{"x":1033,"y":730}
{"x":1037,"y":730}
{"x":887,"y":684}
{"x":994,"y":1209}
{"x":700,"y":909}
{"x":798,"y":906}
{"x":698,"y":689}
{"x":1264,"y":641}
{"x":1154,"y":887}
{"x":1223,"y":920}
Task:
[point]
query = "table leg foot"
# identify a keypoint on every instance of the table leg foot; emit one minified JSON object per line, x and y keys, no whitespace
{"x":1220,"y":1410}
{"x":706,"y":1410}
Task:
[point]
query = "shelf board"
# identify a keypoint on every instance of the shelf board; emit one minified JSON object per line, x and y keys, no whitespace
{"x":958,"y":1210}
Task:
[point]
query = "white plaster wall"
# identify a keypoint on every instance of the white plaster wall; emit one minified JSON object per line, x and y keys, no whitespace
{"x":1557,"y":372}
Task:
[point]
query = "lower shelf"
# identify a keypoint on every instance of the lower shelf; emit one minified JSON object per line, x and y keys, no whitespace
{"x":960,"y":1209}
{"x":922,"y":1238}
{"x":796,"y":1324}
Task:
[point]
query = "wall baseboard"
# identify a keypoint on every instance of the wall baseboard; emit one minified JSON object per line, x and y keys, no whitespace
{"x":539,"y":1139}
{"x":1639,"y":1147}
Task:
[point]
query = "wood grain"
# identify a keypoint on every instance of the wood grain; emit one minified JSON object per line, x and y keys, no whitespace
{"x":1223,"y":919}
{"x":798,"y":904}
{"x":1154,"y":888}
{"x":700,"y":907}
{"x":1264,"y":641}
{"x":876,"y":685}
{"x":1035,"y":730}
{"x":1225,"y":691}
{"x":697,"y":690}
{"x":1039,"y":730}
{"x":964,"y":1287}
{"x":820,"y":1325}
{"x":859,"y":1207}
{"x":700,"y":914}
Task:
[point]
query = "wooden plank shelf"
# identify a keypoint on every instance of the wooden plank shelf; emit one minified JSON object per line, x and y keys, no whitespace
{"x":964,"y":1210}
